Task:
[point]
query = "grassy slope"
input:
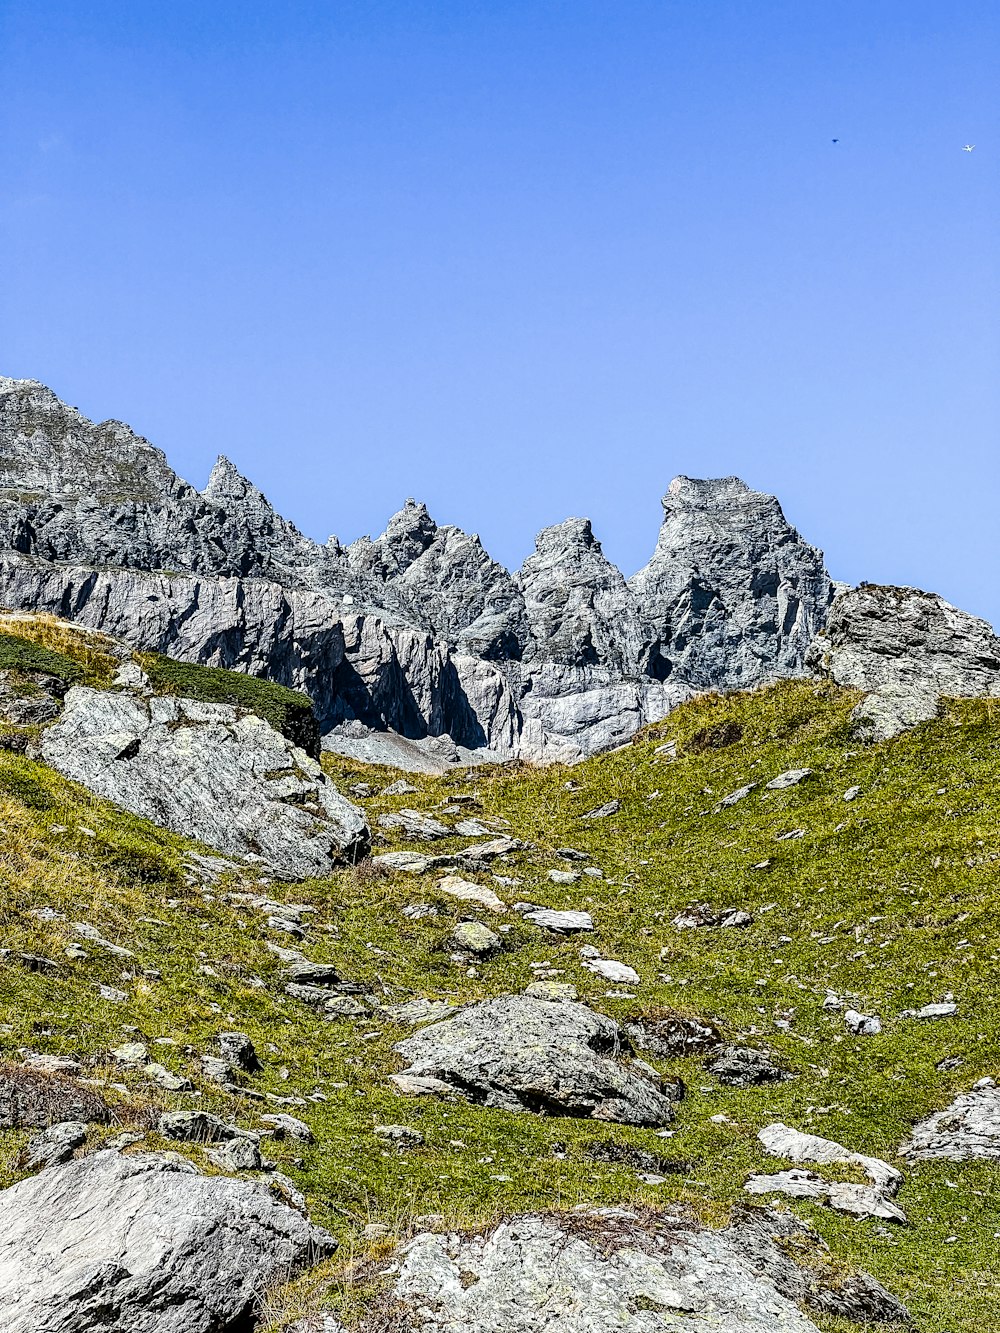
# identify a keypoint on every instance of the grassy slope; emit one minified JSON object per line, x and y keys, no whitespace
{"x":895,"y":908}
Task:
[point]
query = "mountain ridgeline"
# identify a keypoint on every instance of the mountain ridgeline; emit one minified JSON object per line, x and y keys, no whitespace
{"x":417,"y":634}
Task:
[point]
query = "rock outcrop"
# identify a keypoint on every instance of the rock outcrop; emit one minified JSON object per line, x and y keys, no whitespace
{"x":906,"y":649}
{"x":617,"y":1269}
{"x":143,"y":1244}
{"x":968,"y":1130}
{"x":417,"y":635}
{"x":211,"y":772}
{"x":526,"y":1054}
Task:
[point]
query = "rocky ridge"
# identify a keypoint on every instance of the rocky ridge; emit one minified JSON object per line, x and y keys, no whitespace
{"x":417,"y":633}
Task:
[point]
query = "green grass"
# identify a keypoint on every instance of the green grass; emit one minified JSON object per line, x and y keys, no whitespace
{"x":288,"y":711}
{"x":890,"y":900}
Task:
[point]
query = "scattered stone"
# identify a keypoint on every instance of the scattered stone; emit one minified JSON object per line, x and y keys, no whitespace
{"x":284,"y":1124}
{"x":416,"y":825}
{"x":968,"y":1130}
{"x":790,"y":835}
{"x":472,"y":937}
{"x":236,"y":1154}
{"x":418,"y":1011}
{"x":862,"y":1025}
{"x":559,"y":921}
{"x":238,"y":1049}
{"x":473,"y":828}
{"x":525,"y":1054}
{"x":564,"y":876}
{"x":551,"y":990}
{"x":742,"y":1067}
{"x":782,"y":1141}
{"x":362,"y":790}
{"x":400,"y":788}
{"x":144,"y":1242}
{"x":91,"y":933}
{"x":603,"y":811}
{"x":931,"y":1011}
{"x":304,"y":972}
{"x":791,"y":778}
{"x":164,"y":1079}
{"x":571,"y":854}
{"x":195,"y":1127}
{"x":700,"y":915}
{"x":611,"y":970}
{"x":112,"y":994}
{"x":406,"y":863}
{"x":401,"y":1136}
{"x":52,"y":1064}
{"x":466,"y":891}
{"x":32,"y":962}
{"x":343,"y":1006}
{"x":843,"y":1197}
{"x":53,"y":1146}
{"x":217,"y":1070}
{"x":734,"y":797}
{"x":132,"y":1054}
{"x":852,"y":793}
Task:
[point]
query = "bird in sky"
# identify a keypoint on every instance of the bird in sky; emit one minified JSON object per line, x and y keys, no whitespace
{"x":835,"y":141}
{"x":967,"y":148}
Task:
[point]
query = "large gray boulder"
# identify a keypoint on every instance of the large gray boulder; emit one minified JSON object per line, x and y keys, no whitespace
{"x":527,"y":1054}
{"x":611,"y":1269}
{"x":143,"y":1244}
{"x":209,"y":771}
{"x":906,"y":649}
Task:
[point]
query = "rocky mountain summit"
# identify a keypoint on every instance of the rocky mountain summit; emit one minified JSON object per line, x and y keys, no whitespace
{"x":417,"y":633}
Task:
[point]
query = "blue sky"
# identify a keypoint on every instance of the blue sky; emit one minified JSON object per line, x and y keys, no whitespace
{"x":527,"y":260}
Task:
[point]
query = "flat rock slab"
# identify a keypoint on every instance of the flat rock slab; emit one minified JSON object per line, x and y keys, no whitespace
{"x":466,"y":891}
{"x":841,"y":1196}
{"x":561,"y":922}
{"x":210,"y":772}
{"x":143,"y":1244}
{"x":611,"y":1269}
{"x":783,"y":1141}
{"x":415,"y":824}
{"x":969,"y":1129}
{"x":526,"y":1054}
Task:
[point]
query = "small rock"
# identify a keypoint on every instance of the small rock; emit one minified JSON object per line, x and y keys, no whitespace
{"x":791,"y":778}
{"x":52,"y":1064}
{"x":862,"y":1025}
{"x":400,"y":788}
{"x":406,"y":863}
{"x":111,"y":994}
{"x":571,"y":854}
{"x":466,"y":891}
{"x":343,"y":1006}
{"x":400,"y":1135}
{"x":734,"y":797}
{"x":791,"y":834}
{"x":551,"y":990}
{"x":132,"y":1053}
{"x":53,"y":1146}
{"x":283,"y":1124}
{"x":852,"y":793}
{"x":603,"y":811}
{"x":219,"y":1071}
{"x":472,"y":937}
{"x":416,"y":825}
{"x":611,"y":970}
{"x":561,"y":922}
{"x":237,"y":1154}
{"x":742,"y":1067}
{"x":564,"y":876}
{"x":473,"y":828}
{"x":194,"y":1127}
{"x":418,"y":1011}
{"x":94,"y":936}
{"x":163,"y":1078}
{"x":931,"y":1011}
{"x":239,"y":1050}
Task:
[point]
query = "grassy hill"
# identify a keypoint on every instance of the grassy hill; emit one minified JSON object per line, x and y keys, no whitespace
{"x":889,"y":900}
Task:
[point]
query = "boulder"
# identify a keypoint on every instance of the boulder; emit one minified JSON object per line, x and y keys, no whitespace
{"x":588,"y":1272}
{"x":967,"y":1130}
{"x":526,"y":1054}
{"x":211,"y":772}
{"x":143,"y":1244}
{"x":906,"y":649}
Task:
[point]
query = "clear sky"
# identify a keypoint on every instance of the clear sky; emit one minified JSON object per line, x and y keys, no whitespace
{"x":525,"y":259}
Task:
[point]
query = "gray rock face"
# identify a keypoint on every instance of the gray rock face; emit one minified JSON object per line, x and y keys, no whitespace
{"x":734,"y":594}
{"x":906,"y":649}
{"x":968,"y":1130}
{"x":610,"y":1269}
{"x":211,"y":772}
{"x":527,"y":1054}
{"x":143,"y":1244}
{"x":416,"y":634}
